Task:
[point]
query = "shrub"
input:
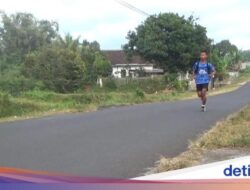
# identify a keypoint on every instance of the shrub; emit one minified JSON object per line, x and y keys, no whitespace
{"x":247,"y":70}
{"x":147,"y":85}
{"x":180,"y":85}
{"x":18,"y":84}
{"x":152,"y":85}
{"x":4,"y":102}
{"x":37,"y":94}
{"x":110,"y":84}
{"x":173,"y":82}
{"x":139,"y":93}
{"x":169,"y":78}
{"x":61,"y":69}
{"x":221,"y":76}
{"x":11,"y":108}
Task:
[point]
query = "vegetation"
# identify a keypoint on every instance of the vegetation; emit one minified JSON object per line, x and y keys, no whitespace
{"x":42,"y":71}
{"x":225,"y":61}
{"x":174,"y":42}
{"x":232,"y":133}
{"x":113,"y":94}
{"x":36,"y":102}
{"x":16,"y":108}
{"x":245,"y":56}
{"x":34,"y":55}
{"x":60,"y":69}
{"x":41,"y":102}
{"x":170,"y":40}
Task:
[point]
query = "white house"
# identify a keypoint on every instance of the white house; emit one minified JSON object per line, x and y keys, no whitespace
{"x":245,"y":65}
{"x":124,"y":67}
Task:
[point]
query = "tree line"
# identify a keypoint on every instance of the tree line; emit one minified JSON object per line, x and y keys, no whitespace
{"x":174,"y":42}
{"x":34,"y":55}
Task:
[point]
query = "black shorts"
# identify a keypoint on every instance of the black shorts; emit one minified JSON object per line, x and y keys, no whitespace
{"x":199,"y":87}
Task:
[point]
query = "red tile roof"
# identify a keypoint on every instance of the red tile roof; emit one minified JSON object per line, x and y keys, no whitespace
{"x":119,"y":57}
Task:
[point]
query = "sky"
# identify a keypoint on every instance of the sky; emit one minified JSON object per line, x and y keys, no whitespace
{"x":108,"y":22}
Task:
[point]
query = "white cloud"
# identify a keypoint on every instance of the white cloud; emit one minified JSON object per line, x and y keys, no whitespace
{"x":108,"y":22}
{"x":106,"y":33}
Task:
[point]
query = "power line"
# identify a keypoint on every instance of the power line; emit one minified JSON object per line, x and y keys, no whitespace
{"x":131,"y":7}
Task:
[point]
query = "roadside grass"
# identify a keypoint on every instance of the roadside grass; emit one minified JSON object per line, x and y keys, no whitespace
{"x":40,"y":103}
{"x":37,"y":103}
{"x":9,"y":107}
{"x":235,"y":84}
{"x":231,"y":133}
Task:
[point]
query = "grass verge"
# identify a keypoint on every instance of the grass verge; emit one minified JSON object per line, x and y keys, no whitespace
{"x":41,"y":103}
{"x":233,"y":133}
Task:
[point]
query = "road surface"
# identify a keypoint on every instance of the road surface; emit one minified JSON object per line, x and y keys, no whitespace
{"x":116,"y":142}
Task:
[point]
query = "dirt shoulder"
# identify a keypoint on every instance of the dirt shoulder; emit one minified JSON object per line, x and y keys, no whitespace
{"x":228,"y":139}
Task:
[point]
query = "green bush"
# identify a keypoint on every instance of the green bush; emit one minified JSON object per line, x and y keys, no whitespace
{"x":18,"y":84}
{"x":147,"y":85}
{"x":152,"y":85}
{"x":173,"y":82}
{"x":61,"y":69}
{"x":247,"y":70}
{"x":4,"y":102}
{"x":171,"y":77}
{"x":110,"y":84}
{"x":67,"y":99}
{"x":40,"y":95}
{"x":12,"y":108}
{"x":180,"y":85}
{"x":139,"y":93}
{"x":221,"y":76}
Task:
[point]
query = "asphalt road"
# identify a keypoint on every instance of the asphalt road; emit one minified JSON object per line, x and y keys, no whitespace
{"x":115,"y":142}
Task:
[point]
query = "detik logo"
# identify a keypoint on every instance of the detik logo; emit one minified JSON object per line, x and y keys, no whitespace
{"x":243,"y":171}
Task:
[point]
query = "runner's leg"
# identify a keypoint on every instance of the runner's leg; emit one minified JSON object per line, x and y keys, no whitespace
{"x":199,"y":94}
{"x":204,"y":96}
{"x":199,"y":90}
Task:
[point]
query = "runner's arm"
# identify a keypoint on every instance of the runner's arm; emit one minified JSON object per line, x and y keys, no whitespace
{"x":213,"y":71}
{"x":193,"y":71}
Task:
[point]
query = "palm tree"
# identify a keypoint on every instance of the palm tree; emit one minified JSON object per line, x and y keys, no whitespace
{"x":69,"y":42}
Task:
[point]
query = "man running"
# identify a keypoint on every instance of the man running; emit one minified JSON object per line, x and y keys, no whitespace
{"x":203,"y":72}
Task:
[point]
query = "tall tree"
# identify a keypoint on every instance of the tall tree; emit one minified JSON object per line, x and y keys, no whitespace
{"x":225,"y":47}
{"x":69,"y":42}
{"x":229,"y":53}
{"x":59,"y":68}
{"x":102,"y":67}
{"x":22,"y":33}
{"x":170,"y":40}
{"x":96,"y":62}
{"x":244,"y":55}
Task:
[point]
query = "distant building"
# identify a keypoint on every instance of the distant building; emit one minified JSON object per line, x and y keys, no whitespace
{"x":245,"y":65}
{"x":134,"y":67}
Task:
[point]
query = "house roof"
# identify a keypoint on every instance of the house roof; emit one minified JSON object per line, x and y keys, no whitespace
{"x":119,"y":57}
